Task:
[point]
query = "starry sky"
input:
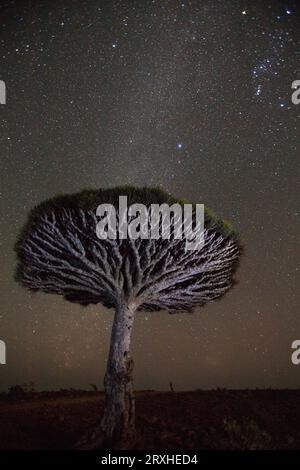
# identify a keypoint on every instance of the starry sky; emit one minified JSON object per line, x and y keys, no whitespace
{"x":194,"y":96}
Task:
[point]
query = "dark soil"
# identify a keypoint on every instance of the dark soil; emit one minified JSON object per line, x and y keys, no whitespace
{"x":220,"y":419}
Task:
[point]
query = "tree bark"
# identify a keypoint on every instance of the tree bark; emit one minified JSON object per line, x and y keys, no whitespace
{"x":118,"y":422}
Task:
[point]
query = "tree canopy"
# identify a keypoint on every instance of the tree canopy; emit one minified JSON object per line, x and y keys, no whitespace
{"x":58,"y":252}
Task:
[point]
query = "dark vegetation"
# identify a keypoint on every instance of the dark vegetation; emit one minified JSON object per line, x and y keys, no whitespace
{"x":217,"y":419}
{"x":89,"y":199}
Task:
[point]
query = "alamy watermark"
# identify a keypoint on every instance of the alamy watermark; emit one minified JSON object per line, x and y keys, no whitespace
{"x":2,"y":352}
{"x":295,"y":358}
{"x":296,"y":93}
{"x":2,"y":92}
{"x":184,"y":222}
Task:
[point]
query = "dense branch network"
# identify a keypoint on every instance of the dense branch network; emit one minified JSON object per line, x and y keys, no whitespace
{"x":61,"y":254}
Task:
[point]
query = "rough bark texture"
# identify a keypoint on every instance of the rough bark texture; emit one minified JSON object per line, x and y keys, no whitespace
{"x":117,"y":427}
{"x":118,"y":423}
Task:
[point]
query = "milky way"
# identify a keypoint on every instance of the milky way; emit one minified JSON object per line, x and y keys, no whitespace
{"x":194,"y":96}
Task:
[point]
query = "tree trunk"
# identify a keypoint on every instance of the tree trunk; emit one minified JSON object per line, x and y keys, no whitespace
{"x":117,"y":427}
{"x":118,"y":422}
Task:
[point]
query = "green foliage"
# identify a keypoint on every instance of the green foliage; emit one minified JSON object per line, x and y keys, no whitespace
{"x":90,"y":199}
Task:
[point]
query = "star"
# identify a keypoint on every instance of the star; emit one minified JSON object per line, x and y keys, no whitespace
{"x":137,"y":96}
{"x":258,"y":90}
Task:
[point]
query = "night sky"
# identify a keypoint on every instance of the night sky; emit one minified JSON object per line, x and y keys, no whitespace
{"x":194,"y":96}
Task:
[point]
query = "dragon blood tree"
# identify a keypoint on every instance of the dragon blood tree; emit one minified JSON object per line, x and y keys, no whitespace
{"x":59,"y":252}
